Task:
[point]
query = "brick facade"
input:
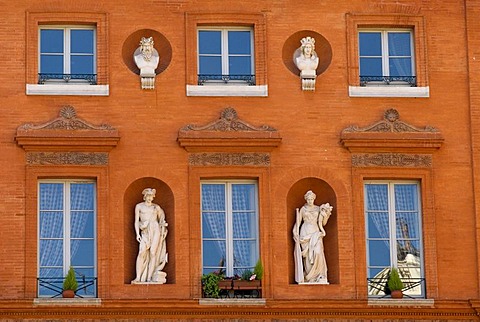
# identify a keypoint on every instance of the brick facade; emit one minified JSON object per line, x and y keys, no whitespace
{"x":300,"y":140}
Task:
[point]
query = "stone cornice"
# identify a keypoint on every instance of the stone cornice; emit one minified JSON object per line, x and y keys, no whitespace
{"x":391,"y":135}
{"x":67,"y":132}
{"x":228,"y":134}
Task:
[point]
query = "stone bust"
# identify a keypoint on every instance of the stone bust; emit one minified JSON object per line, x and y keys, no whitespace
{"x":306,"y":60}
{"x":146,"y":58}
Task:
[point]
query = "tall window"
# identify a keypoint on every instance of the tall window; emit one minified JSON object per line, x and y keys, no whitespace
{"x":386,"y":57}
{"x":67,"y":230}
{"x":393,"y":227}
{"x":67,"y":54}
{"x":229,"y":226}
{"x":225,"y":54}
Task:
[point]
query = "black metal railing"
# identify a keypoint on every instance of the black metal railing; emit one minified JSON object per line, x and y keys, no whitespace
{"x":388,"y":80}
{"x":377,"y":287}
{"x":87,"y":286}
{"x":203,"y":78}
{"x":90,"y":78}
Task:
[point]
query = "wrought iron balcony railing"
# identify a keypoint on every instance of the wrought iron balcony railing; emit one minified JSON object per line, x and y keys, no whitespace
{"x":53,"y":286}
{"x":202,"y":78}
{"x":388,"y":80}
{"x":412,"y":287}
{"x":90,"y":78}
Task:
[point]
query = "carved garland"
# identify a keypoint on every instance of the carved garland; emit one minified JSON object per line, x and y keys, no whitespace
{"x":59,"y":158}
{"x":226,"y":159}
{"x":391,"y":160}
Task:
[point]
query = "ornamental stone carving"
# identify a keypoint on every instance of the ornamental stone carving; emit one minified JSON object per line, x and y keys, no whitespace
{"x":306,"y":60}
{"x":226,"y":159}
{"x":392,"y":160}
{"x":146,"y":58}
{"x":62,"y":158}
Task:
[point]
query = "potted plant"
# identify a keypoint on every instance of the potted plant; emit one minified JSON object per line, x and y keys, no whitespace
{"x":258,"y":270}
{"x":395,"y":284}
{"x":210,"y":285}
{"x":70,"y":284}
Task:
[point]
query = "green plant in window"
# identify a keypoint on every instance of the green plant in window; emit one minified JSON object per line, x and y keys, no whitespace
{"x":70,"y":282}
{"x":394,"y":282}
{"x":247,"y":275}
{"x":258,"y":270}
{"x":210,"y":284}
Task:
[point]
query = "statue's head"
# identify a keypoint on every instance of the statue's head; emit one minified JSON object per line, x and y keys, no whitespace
{"x":148,"y":192}
{"x":310,"y":194}
{"x":308,"y":46}
{"x":146,"y":47}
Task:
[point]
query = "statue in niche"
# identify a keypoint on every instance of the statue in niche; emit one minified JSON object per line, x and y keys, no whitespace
{"x":306,"y":60}
{"x":147,"y":59}
{"x":151,"y":232}
{"x":310,"y":263}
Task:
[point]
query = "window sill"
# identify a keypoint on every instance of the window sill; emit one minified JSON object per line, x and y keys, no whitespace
{"x":227,"y":90}
{"x":402,"y":302}
{"x":68,"y":302}
{"x":232,"y":302}
{"x":388,"y":91}
{"x":68,"y":89}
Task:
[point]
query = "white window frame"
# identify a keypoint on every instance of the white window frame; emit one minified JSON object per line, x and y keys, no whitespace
{"x":224,"y":51}
{"x":66,"y":226}
{"x":392,"y":227}
{"x":229,"y":260}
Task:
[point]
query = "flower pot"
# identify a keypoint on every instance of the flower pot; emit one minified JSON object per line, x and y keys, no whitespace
{"x":246,"y":285}
{"x":68,"y":294}
{"x":225,"y":284}
{"x":397,"y":294}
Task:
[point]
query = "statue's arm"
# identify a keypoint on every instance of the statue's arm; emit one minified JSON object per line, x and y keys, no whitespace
{"x":137,"y":222}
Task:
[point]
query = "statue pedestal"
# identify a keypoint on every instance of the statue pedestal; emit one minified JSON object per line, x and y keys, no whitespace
{"x":158,"y":278}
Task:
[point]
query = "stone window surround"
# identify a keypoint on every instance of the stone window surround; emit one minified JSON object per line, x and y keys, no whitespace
{"x":382,"y":21}
{"x":258,"y":24}
{"x":34,"y":21}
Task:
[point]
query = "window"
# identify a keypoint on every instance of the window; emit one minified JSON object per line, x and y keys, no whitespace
{"x":67,"y":54}
{"x":229,"y":213}
{"x":393,"y":229}
{"x":386,"y":57}
{"x":225,"y":55}
{"x":67,"y":230}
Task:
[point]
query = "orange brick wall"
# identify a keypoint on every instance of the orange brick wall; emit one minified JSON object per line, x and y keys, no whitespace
{"x":309,"y":123}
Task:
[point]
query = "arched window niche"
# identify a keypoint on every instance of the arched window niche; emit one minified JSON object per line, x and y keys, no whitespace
{"x":165,"y":199}
{"x":295,"y":199}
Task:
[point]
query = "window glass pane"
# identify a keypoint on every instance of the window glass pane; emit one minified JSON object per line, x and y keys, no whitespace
{"x":244,"y":253}
{"x":213,"y":253}
{"x":371,"y":67}
{"x":82,"y":224}
{"x":407,"y":225}
{"x":81,"y":41}
{"x":51,"y":252}
{"x":213,"y":197}
{"x":210,"y":65}
{"x":51,"y":279}
{"x":244,"y":225}
{"x":243,"y":197}
{"x":51,"y":41}
{"x":400,"y":67}
{"x":82,"y":252}
{"x":209,"y":42}
{"x":379,"y":253}
{"x":239,"y":42}
{"x":213,"y":225}
{"x":51,"y":224}
{"x":51,"y":64}
{"x":406,"y":197}
{"x":82,"y":196}
{"x":86,"y":281}
{"x":378,"y":226}
{"x":370,"y":43}
{"x":376,"y":197}
{"x":240,"y":65}
{"x":51,"y":196}
{"x":399,"y":44}
{"x":81,"y":64}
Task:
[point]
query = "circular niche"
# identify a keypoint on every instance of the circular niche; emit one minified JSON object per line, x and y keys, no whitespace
{"x":161,"y":44}
{"x":322,"y":48}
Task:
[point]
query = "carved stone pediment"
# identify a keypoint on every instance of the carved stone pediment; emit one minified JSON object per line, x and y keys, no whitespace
{"x":67,"y":132}
{"x":228,"y":133}
{"x":391,"y":135}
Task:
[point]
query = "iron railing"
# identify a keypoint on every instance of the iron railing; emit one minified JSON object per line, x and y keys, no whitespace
{"x":90,"y":78}
{"x":388,"y":80}
{"x":203,"y":78}
{"x":412,"y":287}
{"x":87,"y":286}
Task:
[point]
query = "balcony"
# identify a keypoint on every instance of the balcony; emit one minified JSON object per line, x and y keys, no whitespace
{"x":388,"y":80}
{"x":212,"y":78}
{"x":78,"y":78}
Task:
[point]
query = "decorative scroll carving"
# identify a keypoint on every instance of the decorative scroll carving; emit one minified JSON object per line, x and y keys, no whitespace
{"x":228,"y":121}
{"x":390,"y":123}
{"x":228,"y":159}
{"x":392,"y":160}
{"x":66,"y":120}
{"x":77,"y":158}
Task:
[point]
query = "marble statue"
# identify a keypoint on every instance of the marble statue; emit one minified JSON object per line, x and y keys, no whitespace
{"x":147,"y":59}
{"x":310,"y":263}
{"x":306,"y":60}
{"x":151,"y":231}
